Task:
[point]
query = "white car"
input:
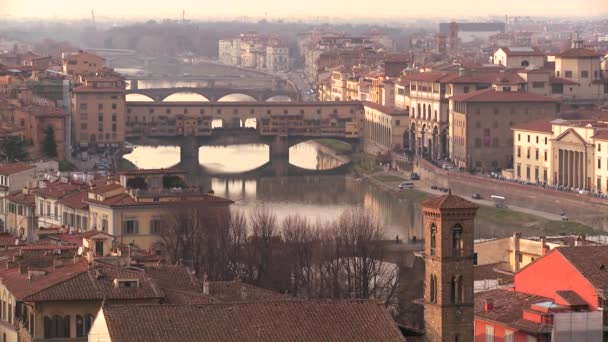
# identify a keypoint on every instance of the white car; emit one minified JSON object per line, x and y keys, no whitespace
{"x":447,"y":166}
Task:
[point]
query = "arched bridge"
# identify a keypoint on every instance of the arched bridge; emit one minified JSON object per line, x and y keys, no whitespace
{"x":216,"y":94}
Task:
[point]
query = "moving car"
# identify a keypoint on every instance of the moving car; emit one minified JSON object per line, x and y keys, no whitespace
{"x":406,"y":185}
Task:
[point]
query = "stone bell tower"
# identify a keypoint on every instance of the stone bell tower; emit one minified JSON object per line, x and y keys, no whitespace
{"x":448,"y":258}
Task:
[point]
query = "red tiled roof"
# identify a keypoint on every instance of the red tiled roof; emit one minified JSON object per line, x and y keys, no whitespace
{"x":534,"y":51}
{"x":98,"y":283}
{"x":353,"y":321}
{"x":590,"y":261}
{"x":432,"y":76}
{"x":491,"y":95}
{"x":237,"y":291}
{"x":579,"y":52}
{"x":48,"y":111}
{"x":19,"y":285}
{"x":508,"y":309}
{"x":21,"y":198}
{"x":543,"y":126}
{"x":75,"y":200}
{"x":39,"y":246}
{"x":12,"y":168}
{"x":58,"y":189}
{"x":559,"y":80}
{"x":571,"y":297}
{"x":89,"y":89}
{"x":103,"y":188}
{"x":176,"y":277}
{"x":448,"y":201}
{"x":137,"y":172}
{"x":90,"y":233}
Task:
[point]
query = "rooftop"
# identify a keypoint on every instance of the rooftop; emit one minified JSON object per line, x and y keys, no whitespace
{"x":579,"y":52}
{"x":138,"y":172}
{"x":12,"y":168}
{"x":590,"y":261}
{"x":491,"y":95}
{"x":541,"y":126}
{"x":356,"y":320}
{"x":448,"y":201}
{"x":522,"y":51}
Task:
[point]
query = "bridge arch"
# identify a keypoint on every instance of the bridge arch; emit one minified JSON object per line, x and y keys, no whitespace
{"x":279,"y":98}
{"x":185,"y":96}
{"x":237,"y":97}
{"x":137,"y":97}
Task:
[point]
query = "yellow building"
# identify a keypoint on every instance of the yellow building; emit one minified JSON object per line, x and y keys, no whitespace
{"x":98,"y":111}
{"x":582,"y":66}
{"x":518,"y":57}
{"x":20,"y":214}
{"x":571,"y":152}
{"x":139,"y":215}
{"x":532,"y":156}
{"x":385,"y":128}
{"x":82,"y":63}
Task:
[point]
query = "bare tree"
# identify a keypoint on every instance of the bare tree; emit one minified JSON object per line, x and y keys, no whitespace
{"x":263,"y":241}
{"x":299,"y":243}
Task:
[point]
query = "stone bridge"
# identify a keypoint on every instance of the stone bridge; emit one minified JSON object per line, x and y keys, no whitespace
{"x":216,"y":94}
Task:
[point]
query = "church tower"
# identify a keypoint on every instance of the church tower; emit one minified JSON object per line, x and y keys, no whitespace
{"x":448,"y":258}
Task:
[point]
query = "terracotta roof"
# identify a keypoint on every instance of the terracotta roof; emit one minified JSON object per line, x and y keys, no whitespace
{"x":590,"y":261}
{"x":571,"y":297}
{"x":173,"y":277}
{"x":579,"y":52}
{"x":42,"y":246}
{"x":492,"y":271}
{"x":89,"y":89}
{"x":12,"y":168}
{"x":98,"y":283}
{"x":431,"y":76}
{"x":522,"y":51}
{"x":601,"y":135}
{"x":508,"y":309}
{"x":542,"y":126}
{"x":75,"y":200}
{"x":19,"y":285}
{"x":90,"y":233}
{"x":448,"y":201}
{"x":126,"y":200}
{"x":137,"y":172}
{"x":103,"y":188}
{"x":21,"y":198}
{"x":491,"y":95}
{"x":336,"y":321}
{"x":559,"y":80}
{"x":173,"y":296}
{"x":58,"y":189}
{"x":384,"y":109}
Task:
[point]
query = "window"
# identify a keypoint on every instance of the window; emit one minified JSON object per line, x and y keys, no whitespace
{"x":433,"y":289}
{"x":546,"y":139}
{"x":466,"y":89}
{"x":545,"y":175}
{"x":56,"y":327}
{"x":477,"y":124}
{"x":528,"y":137}
{"x":528,"y":153}
{"x":478,"y":142}
{"x":538,"y":85}
{"x":528,"y":172}
{"x":100,"y":106}
{"x":433,"y":238}
{"x":509,"y":336}
{"x":155,"y":225}
{"x":518,"y":151}
{"x":130,"y":226}
{"x":518,"y":137}
{"x":536,"y":173}
{"x":489,"y":333}
{"x":584,"y":74}
{"x":599,"y":163}
{"x":599,"y":147}
{"x":104,"y":223}
{"x":495,"y":142}
{"x":568,"y":74}
{"x":536,"y":153}
{"x":83,"y":126}
{"x":457,"y":241}
{"x":546,"y":155}
{"x":83,"y":106}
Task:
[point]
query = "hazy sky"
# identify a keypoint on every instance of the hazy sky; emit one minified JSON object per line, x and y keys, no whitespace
{"x":298,"y":8}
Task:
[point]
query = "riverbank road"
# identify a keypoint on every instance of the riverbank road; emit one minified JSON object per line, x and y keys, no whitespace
{"x":422,"y":186}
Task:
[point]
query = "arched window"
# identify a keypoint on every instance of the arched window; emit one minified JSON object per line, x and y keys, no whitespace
{"x":433,"y":238}
{"x":79,"y":326}
{"x":429,"y":112}
{"x":460,"y":289}
{"x":88,"y":322}
{"x":418,"y":112}
{"x":453,"y":290}
{"x":424,"y":112}
{"x":525,"y":63}
{"x":457,"y":242}
{"x":433,"y":289}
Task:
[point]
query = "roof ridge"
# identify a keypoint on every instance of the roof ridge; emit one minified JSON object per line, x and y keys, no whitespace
{"x":56,"y":284}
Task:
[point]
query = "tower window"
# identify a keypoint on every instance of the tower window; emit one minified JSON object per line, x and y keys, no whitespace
{"x":433,"y":238}
{"x":457,"y":241}
{"x":433,"y":289}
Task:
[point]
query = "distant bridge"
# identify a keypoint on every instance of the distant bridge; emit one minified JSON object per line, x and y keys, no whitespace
{"x":215,"y":94}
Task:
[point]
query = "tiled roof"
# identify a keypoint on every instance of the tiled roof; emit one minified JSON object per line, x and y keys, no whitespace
{"x":543,"y":126}
{"x":559,"y":80}
{"x":21,"y":198}
{"x":524,"y":51}
{"x":448,"y":201}
{"x":492,"y":271}
{"x":19,"y":285}
{"x":125,"y":199}
{"x":508,"y":309}
{"x":571,"y":297}
{"x":90,"y":233}
{"x":601,"y":135}
{"x":579,"y":52}
{"x":43,"y":246}
{"x":590,"y":261}
{"x":12,"y":168}
{"x":103,"y":188}
{"x":431,"y":76}
{"x":353,"y":321}
{"x":58,"y":189}
{"x":173,"y":277}
{"x":173,"y":296}
{"x":49,"y":111}
{"x":137,"y":172}
{"x":491,"y":95}
{"x":97,"y":283}
{"x":384,"y":109}
{"x":75,"y":200}
{"x":89,"y":89}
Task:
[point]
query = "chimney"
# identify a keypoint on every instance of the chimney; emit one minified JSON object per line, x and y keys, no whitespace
{"x":205,"y":285}
{"x":462,"y":71}
{"x":488,"y":305}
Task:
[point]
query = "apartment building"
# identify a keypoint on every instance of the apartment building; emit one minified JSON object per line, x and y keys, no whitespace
{"x":533,"y":155}
{"x":481,"y":124}
{"x":20,"y":217}
{"x":252,"y":50}
{"x":98,"y":111}
{"x":582,"y":66}
{"x":82,"y":63}
{"x":518,"y":57}
{"x":385,"y":128}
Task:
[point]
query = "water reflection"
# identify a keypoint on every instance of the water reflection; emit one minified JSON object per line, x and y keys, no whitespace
{"x":233,"y":158}
{"x":313,"y":156}
{"x":153,"y":157}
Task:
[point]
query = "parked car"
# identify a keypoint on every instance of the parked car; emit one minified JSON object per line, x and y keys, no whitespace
{"x":445,"y":189}
{"x":414,"y":176}
{"x":434,"y":187}
{"x":476,"y":196}
{"x":447,"y":166}
{"x":406,"y":185}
